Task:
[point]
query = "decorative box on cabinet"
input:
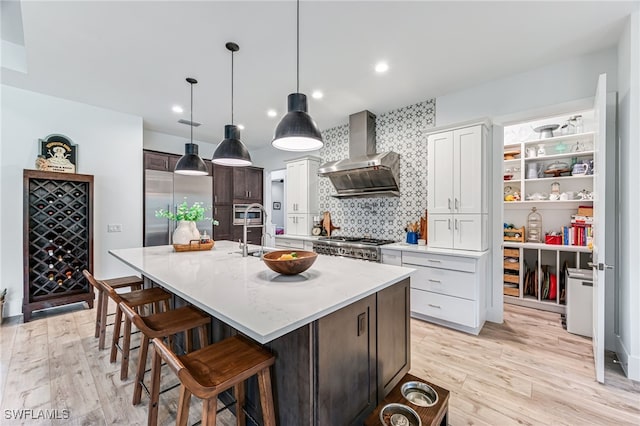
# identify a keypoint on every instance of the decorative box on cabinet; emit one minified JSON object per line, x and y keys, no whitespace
{"x":448,"y":289}
{"x":457,"y":181}
{"x":302,"y":194}
{"x":57,"y":240}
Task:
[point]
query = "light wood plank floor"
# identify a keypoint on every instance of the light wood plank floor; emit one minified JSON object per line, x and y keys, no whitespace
{"x":525,"y":371}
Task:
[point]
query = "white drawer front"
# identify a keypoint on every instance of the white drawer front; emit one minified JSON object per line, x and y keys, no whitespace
{"x":292,"y":244}
{"x":455,"y":263}
{"x":448,"y":308}
{"x":392,"y":257}
{"x":444,"y":281}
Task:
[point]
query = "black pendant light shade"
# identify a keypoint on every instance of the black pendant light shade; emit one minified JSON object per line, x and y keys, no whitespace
{"x":297,"y":131}
{"x":231,"y":151}
{"x":191,"y":163}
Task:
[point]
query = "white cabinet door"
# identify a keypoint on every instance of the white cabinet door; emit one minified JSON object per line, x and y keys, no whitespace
{"x":293,"y":186}
{"x":440,"y":230}
{"x":468,"y":180}
{"x":439,"y":173}
{"x":468,"y":232}
{"x":298,"y":224}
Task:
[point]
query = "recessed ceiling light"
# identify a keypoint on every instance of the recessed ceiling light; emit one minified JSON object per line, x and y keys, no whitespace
{"x":382,"y":67}
{"x":317,"y":94}
{"x":241,"y":126}
{"x":177,"y":109}
{"x":272,"y":113}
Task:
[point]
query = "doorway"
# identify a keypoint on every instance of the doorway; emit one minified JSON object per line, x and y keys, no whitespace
{"x":278,"y":201}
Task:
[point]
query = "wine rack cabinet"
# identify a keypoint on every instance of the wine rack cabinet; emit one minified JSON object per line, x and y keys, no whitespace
{"x":58,"y":239}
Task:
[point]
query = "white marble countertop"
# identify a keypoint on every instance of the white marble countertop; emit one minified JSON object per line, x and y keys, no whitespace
{"x":247,"y":295}
{"x":432,"y":250}
{"x":298,"y":237}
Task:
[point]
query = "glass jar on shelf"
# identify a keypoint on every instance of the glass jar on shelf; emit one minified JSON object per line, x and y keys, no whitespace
{"x":534,"y":226}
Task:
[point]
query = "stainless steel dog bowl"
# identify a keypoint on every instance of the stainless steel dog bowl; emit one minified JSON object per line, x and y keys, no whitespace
{"x":399,"y":415}
{"x":419,"y":393}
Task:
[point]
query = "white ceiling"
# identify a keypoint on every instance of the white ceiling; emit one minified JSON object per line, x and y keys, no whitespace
{"x":134,"y":56}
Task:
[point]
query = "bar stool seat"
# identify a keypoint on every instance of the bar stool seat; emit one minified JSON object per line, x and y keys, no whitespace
{"x":212,"y":370}
{"x":160,"y":325}
{"x":132,"y":281}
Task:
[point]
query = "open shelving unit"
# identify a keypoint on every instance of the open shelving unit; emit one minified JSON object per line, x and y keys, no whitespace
{"x":527,"y":168}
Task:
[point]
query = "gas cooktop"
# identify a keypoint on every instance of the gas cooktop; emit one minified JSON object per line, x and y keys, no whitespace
{"x":355,"y":240}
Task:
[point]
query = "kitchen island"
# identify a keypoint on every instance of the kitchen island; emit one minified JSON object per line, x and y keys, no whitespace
{"x":340,"y":330}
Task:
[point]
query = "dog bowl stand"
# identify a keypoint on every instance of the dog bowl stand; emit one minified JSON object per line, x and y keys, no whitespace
{"x":435,"y":415}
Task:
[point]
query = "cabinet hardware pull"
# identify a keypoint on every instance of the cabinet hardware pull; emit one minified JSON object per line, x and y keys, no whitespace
{"x":448,"y":223}
{"x":457,"y":204}
{"x":434,"y":260}
{"x":456,"y":223}
{"x":215,"y":198}
{"x":435,"y":306}
{"x":449,"y":203}
{"x":435,"y":281}
{"x":215,"y":210}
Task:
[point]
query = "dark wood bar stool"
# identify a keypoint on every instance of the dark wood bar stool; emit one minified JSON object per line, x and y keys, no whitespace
{"x":133,"y":282}
{"x":155,"y":297}
{"x":212,"y":370}
{"x":160,"y":325}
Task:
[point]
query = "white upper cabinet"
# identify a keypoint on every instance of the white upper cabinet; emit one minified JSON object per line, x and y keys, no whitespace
{"x":456,"y":171}
{"x":302,"y":185}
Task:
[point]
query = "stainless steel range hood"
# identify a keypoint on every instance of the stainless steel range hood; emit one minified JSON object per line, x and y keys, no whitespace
{"x":364,"y":173}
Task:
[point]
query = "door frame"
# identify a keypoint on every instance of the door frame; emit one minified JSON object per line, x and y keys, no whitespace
{"x":495,"y":301}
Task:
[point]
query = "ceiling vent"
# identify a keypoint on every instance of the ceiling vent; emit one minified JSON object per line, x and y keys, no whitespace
{"x":189,"y":123}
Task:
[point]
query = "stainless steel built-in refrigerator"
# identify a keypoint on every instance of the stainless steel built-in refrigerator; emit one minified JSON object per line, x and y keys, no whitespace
{"x":165,"y":190}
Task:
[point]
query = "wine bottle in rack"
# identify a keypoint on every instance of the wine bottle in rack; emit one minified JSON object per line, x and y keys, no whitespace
{"x":51,"y":276}
{"x":68,"y":273}
{"x":50,"y":249}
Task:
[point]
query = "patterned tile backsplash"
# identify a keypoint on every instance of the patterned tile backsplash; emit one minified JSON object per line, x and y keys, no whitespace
{"x":402,"y":131}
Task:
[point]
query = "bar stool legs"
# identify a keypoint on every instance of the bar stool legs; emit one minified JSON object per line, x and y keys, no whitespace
{"x":212,"y":370}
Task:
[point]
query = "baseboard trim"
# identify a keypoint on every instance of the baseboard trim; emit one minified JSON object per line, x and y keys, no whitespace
{"x":629,"y":363}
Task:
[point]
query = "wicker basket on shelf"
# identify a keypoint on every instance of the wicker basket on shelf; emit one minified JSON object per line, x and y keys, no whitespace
{"x":514,"y":234}
{"x":194,"y":245}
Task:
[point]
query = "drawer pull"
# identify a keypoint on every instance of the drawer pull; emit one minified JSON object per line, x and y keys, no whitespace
{"x":434,"y":260}
{"x":435,"y":281}
{"x":435,"y":306}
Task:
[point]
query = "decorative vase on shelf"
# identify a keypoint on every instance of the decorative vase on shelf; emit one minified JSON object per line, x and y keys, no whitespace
{"x":185,"y":232}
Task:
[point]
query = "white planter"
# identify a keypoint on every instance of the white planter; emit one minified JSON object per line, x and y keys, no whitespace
{"x":185,"y":232}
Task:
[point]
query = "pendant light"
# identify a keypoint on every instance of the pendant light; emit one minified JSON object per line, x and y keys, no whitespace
{"x":231,"y":151}
{"x":191,"y":163}
{"x":297,"y":131}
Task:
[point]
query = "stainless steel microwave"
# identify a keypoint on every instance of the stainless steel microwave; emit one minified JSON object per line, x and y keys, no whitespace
{"x":254,"y":216}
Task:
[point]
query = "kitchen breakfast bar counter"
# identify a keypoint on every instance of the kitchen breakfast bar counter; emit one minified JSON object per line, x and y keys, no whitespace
{"x":340,"y":330}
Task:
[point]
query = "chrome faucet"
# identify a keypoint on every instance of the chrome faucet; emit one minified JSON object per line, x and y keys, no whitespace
{"x":245,"y":250}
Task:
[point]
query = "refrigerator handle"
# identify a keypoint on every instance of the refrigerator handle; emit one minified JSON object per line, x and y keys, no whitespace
{"x":169,"y":227}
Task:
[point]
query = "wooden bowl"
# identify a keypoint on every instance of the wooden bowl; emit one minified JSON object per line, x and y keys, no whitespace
{"x":289,"y":267}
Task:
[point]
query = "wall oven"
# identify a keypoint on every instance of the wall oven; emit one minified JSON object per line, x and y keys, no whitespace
{"x":254,"y":216}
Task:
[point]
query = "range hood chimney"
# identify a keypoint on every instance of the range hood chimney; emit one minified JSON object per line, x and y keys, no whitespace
{"x":365,"y":173}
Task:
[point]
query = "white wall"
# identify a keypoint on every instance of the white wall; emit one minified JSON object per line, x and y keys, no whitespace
{"x":628,"y":296}
{"x":558,"y":83}
{"x":109,"y":147}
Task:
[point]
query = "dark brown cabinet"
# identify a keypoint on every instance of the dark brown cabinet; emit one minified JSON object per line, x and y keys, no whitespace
{"x":254,"y":235}
{"x":235,"y":185}
{"x":57,"y":239}
{"x":346,"y":355}
{"x":222,"y":185}
{"x":166,"y":162}
{"x":247,"y":185}
{"x":223,"y":214}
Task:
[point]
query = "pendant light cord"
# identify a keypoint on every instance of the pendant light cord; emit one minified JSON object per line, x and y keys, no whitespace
{"x":232,"y":87}
{"x":191,"y":124}
{"x":298,"y":46}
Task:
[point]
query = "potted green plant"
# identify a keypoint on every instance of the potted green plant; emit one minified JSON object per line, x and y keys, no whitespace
{"x":186,"y":216}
